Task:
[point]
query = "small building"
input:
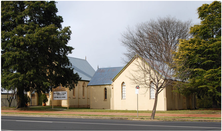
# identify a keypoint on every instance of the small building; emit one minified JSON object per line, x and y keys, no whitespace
{"x":112,"y":88}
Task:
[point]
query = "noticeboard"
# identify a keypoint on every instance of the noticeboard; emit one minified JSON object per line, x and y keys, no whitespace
{"x":60,"y":95}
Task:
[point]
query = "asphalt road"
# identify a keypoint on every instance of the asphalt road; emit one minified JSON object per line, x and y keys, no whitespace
{"x":53,"y":123}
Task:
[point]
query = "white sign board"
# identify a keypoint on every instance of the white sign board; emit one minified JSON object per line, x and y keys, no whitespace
{"x":137,"y":89}
{"x":60,"y":95}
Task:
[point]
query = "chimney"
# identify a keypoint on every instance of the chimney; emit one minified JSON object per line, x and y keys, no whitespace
{"x":97,"y":67}
{"x":85,"y":58}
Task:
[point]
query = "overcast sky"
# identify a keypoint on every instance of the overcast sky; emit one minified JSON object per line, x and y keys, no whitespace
{"x":97,"y":27}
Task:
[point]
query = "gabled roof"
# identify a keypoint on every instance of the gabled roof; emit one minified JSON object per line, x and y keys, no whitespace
{"x":104,"y":76}
{"x":83,"y":68}
{"x":120,"y":72}
{"x":163,"y":73}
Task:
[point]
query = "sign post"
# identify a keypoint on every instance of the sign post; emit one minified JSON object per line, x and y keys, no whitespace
{"x":67,"y":100}
{"x":137,"y":92}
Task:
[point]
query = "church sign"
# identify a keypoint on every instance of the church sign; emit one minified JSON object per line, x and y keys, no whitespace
{"x":60,"y":95}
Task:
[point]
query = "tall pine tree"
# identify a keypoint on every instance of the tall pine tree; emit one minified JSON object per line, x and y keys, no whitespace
{"x":34,"y":48}
{"x":198,"y":60}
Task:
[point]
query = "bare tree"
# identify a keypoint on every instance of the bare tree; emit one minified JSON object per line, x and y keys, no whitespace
{"x":10,"y":97}
{"x":11,"y":94}
{"x":154,"y":42}
{"x":156,"y":39}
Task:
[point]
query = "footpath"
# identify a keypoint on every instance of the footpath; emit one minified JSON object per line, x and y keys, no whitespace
{"x":112,"y":115}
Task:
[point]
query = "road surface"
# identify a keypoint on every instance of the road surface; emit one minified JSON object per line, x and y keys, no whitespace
{"x":53,"y":123}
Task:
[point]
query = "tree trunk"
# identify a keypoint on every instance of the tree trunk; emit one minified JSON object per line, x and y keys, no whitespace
{"x":154,"y":106}
{"x":20,"y":98}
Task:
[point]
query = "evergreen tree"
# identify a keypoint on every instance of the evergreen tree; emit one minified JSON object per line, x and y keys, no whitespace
{"x":198,"y":60}
{"x":34,"y":48}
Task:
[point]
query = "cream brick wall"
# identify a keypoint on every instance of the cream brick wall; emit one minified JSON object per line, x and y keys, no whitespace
{"x":130,"y":103}
{"x":97,"y":100}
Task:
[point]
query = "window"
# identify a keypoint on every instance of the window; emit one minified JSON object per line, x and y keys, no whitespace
{"x":123,"y":91}
{"x":152,"y":91}
{"x":74,"y":92}
{"x":83,"y":89}
{"x":105,"y":94}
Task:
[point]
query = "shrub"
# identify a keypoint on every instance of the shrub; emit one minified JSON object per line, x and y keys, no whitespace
{"x":44,"y":98}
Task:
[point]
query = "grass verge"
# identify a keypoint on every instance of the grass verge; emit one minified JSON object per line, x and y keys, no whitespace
{"x":67,"y":113}
{"x":49,"y":108}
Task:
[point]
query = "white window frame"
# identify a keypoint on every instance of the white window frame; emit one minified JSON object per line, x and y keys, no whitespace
{"x":152,"y":90}
{"x":123,"y":91}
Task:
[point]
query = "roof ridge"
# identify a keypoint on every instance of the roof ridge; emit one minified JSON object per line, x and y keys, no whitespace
{"x":111,"y":67}
{"x":82,"y":67}
{"x":76,"y":58}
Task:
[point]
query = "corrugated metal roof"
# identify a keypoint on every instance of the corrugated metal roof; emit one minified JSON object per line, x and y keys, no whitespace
{"x":104,"y":76}
{"x":82,"y":67}
{"x":4,"y":91}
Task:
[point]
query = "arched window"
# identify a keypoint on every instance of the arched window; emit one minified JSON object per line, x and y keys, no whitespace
{"x":105,"y":94}
{"x":83,"y":89}
{"x":74,"y":92}
{"x":123,"y":91}
{"x":152,"y":91}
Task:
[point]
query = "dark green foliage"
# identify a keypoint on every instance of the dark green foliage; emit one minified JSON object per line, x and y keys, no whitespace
{"x":39,"y":98}
{"x":198,"y":60}
{"x":26,"y":99}
{"x":34,"y":47}
{"x":205,"y":102}
{"x":44,"y":98}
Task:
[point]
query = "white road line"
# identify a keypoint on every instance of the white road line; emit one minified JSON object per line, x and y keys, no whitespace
{"x":93,"y":123}
{"x":34,"y":121}
{"x":28,"y":121}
